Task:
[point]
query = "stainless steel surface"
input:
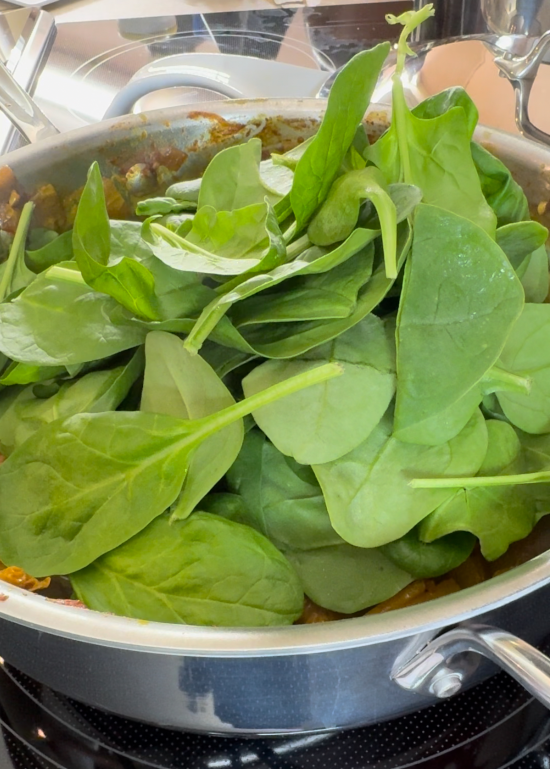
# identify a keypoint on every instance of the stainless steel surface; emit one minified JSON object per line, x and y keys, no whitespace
{"x":517,"y":32}
{"x":22,"y":110}
{"x":272,"y":681}
{"x":26,"y":40}
{"x":91,"y":63}
{"x":442,"y":667}
{"x":517,"y":17}
{"x":522,"y":71}
{"x":229,"y":76}
{"x":31,"y":3}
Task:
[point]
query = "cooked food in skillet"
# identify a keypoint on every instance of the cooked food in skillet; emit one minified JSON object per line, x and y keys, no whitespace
{"x":297,"y":389}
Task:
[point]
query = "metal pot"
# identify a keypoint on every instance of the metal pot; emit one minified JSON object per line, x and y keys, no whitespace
{"x":517,"y":32}
{"x":279,"y":680}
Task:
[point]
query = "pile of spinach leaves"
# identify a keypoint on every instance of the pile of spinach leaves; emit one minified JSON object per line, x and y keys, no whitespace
{"x":377,"y":308}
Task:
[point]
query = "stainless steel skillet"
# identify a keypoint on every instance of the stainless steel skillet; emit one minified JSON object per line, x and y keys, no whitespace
{"x":303,"y":678}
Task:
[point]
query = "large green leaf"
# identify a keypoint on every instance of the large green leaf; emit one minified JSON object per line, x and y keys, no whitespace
{"x":434,"y":154}
{"x":504,"y":195}
{"x":348,"y":101}
{"x":319,"y":296}
{"x":527,"y":353}
{"x":204,"y":571}
{"x":442,"y":102}
{"x":59,"y":320}
{"x":279,"y":497}
{"x":232,"y":179}
{"x":333,"y":418}
{"x":337,"y":216}
{"x":313,"y":260}
{"x":497,"y":516}
{"x":82,"y":486}
{"x":182,"y":385}
{"x":368,"y":494}
{"x":93,"y":393}
{"x":460,"y":299}
{"x":518,"y":241}
{"x":221,"y":243}
{"x":348,"y":579}
{"x":127,"y":280}
{"x":287,"y":340}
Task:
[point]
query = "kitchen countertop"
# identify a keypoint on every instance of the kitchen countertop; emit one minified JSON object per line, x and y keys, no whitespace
{"x":95,"y":10}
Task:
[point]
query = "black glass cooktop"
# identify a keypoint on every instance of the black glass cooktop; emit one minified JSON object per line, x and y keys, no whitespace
{"x":493,"y":726}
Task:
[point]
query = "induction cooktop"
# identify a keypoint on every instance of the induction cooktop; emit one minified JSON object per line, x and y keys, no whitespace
{"x":495,"y":725}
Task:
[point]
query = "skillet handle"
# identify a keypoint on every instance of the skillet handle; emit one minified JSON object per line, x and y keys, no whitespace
{"x":521,"y":72}
{"x":439,"y":671}
{"x":22,"y":111}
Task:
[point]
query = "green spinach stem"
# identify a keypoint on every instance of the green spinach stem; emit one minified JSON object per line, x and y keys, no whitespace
{"x":18,"y":245}
{"x":410,"y":20}
{"x":228,"y":416}
{"x":290,"y":233}
{"x":543,"y":476}
{"x":176,"y":240}
{"x":295,"y":249}
{"x":65,"y":273}
{"x":508,"y":380}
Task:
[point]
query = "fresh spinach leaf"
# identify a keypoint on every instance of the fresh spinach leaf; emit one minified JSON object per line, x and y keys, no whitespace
{"x":348,"y":579}
{"x":312,"y":261}
{"x":460,"y":299}
{"x":287,"y":340}
{"x":368,"y":495}
{"x":58,"y":250}
{"x":434,"y":153}
{"x":536,"y":280}
{"x":98,"y":391}
{"x":503,"y":194}
{"x":348,"y":101}
{"x":319,"y":296}
{"x":22,"y":374}
{"x":184,"y":386}
{"x":518,"y":241}
{"x":162,"y":206}
{"x":527,"y":353}
{"x":277,"y":178}
{"x":10,"y":402}
{"x":277,"y":496}
{"x":14,"y":273}
{"x":442,"y":102}
{"x":438,"y":160}
{"x":232,"y":179}
{"x":179,"y":294}
{"x":498,"y":516}
{"x":59,"y":321}
{"x":425,"y":560}
{"x":337,"y":217}
{"x":204,"y":571}
{"x":82,"y":486}
{"x":187,"y":190}
{"x":335,"y":417}
{"x":127,"y":280}
{"x":219,"y":243}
